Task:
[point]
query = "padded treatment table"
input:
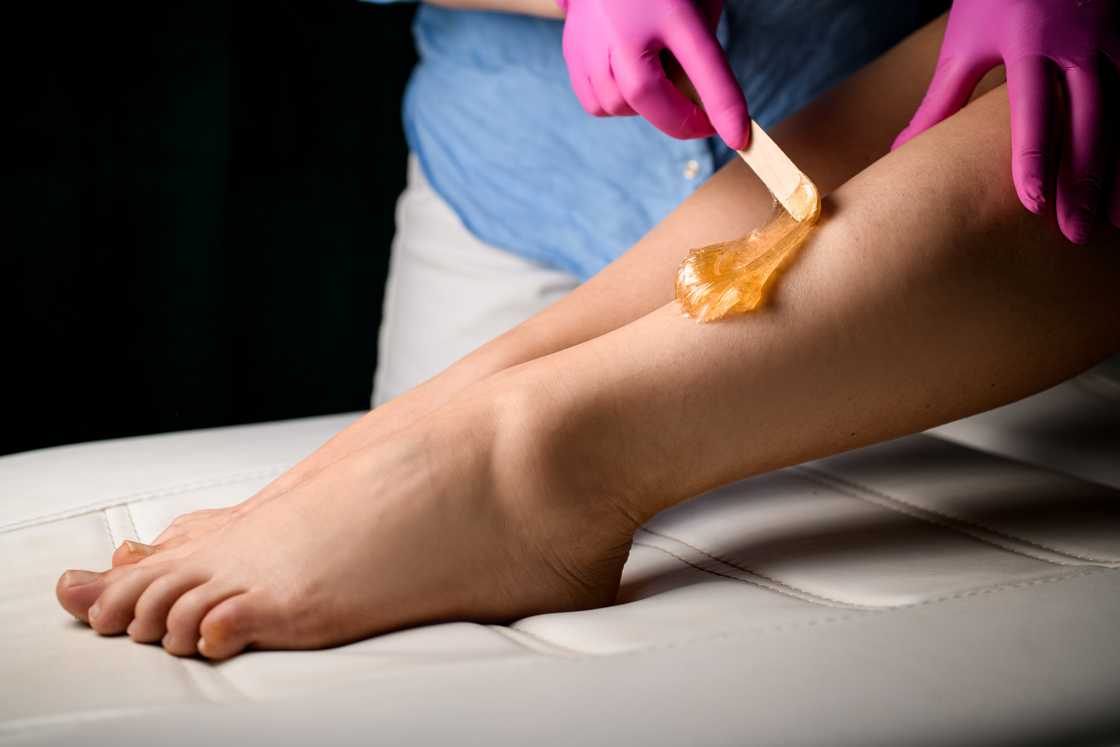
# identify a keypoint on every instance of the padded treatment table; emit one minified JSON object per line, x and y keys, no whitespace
{"x":956,"y":587}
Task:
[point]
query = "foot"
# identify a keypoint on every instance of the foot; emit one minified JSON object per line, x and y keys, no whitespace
{"x":371,"y":429}
{"x":428,"y":526}
{"x":197,"y":524}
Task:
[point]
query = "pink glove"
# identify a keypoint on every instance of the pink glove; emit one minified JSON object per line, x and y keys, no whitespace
{"x":1044,"y":45}
{"x":612,"y":48}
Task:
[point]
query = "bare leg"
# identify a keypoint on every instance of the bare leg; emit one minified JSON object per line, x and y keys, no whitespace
{"x":926,"y":295}
{"x":833,"y":139}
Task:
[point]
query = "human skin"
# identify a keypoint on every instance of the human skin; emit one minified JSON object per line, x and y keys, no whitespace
{"x":519,"y":493}
{"x":731,"y":204}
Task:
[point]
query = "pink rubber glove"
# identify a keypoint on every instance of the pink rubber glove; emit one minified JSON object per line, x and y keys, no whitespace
{"x":612,"y":49}
{"x":1045,"y":45}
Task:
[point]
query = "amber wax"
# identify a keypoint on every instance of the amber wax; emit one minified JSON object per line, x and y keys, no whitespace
{"x":734,"y":277}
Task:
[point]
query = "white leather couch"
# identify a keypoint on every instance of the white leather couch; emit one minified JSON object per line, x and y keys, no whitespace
{"x":956,"y":587}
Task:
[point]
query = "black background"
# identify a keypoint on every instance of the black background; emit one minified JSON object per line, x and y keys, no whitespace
{"x":199,"y":201}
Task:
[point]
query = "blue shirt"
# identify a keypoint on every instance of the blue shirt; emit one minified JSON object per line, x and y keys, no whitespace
{"x":502,"y":138}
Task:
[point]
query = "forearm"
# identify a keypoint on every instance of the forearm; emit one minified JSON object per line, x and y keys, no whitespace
{"x":544,"y":8}
{"x":927,"y":294}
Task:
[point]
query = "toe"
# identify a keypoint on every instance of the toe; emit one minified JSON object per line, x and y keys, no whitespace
{"x":132,"y":552}
{"x":113,"y":610}
{"x":78,"y":590}
{"x":149,"y":623}
{"x":186,"y":615}
{"x":229,"y":627}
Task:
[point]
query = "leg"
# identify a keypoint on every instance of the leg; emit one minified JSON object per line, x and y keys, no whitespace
{"x":482,"y":292}
{"x":833,"y":139}
{"x":927,"y":294}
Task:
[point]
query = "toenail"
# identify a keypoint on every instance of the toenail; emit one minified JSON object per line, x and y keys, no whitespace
{"x":78,"y":578}
{"x":94,"y":611}
{"x":138,"y":548}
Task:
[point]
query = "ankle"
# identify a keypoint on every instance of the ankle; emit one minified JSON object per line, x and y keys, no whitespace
{"x":543,"y":458}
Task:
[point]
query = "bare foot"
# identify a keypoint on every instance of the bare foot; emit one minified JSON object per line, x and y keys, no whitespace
{"x":431,"y":525}
{"x":371,"y":429}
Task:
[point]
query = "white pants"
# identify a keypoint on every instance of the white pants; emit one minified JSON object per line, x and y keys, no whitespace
{"x":448,"y":292}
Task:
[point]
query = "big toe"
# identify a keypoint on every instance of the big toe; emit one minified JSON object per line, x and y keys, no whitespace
{"x":78,"y":590}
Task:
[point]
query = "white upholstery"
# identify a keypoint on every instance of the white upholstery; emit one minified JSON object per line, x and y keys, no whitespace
{"x":939,"y":589}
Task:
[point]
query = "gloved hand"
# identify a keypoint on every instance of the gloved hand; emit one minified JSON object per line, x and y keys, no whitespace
{"x":612,"y":49}
{"x":1045,"y":45}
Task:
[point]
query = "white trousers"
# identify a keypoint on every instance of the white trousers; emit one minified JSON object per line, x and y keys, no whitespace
{"x":448,"y":292}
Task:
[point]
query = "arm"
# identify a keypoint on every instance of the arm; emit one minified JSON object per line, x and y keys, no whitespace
{"x":926,"y":295}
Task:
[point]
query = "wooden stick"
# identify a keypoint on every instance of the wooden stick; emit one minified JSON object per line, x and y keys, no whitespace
{"x":780,"y":175}
{"x":790,"y":187}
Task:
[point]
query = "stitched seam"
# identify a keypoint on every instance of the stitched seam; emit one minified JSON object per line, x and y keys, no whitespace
{"x":714,"y":572}
{"x":108,"y":530}
{"x":983,"y":591}
{"x":22,"y":726}
{"x":783,"y":627}
{"x":556,"y":650}
{"x":18,"y":728}
{"x":143,"y":496}
{"x":786,"y":627}
{"x":779,"y":587}
{"x":783,"y":584}
{"x":47,"y":722}
{"x":1017,"y":460}
{"x":863,"y":492}
{"x":131,"y":521}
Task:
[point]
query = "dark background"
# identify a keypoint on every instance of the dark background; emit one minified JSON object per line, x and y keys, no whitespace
{"x":200,"y":206}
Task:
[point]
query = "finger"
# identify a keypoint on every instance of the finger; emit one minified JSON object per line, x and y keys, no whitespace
{"x":1030,"y":92}
{"x":952,"y":84}
{"x":581,"y":83}
{"x":1081,"y":175}
{"x":607,"y":93}
{"x":643,"y":83}
{"x":691,"y":40}
{"x":585,"y":92}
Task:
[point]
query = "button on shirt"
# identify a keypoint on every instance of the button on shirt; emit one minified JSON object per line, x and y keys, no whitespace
{"x":501,"y":137}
